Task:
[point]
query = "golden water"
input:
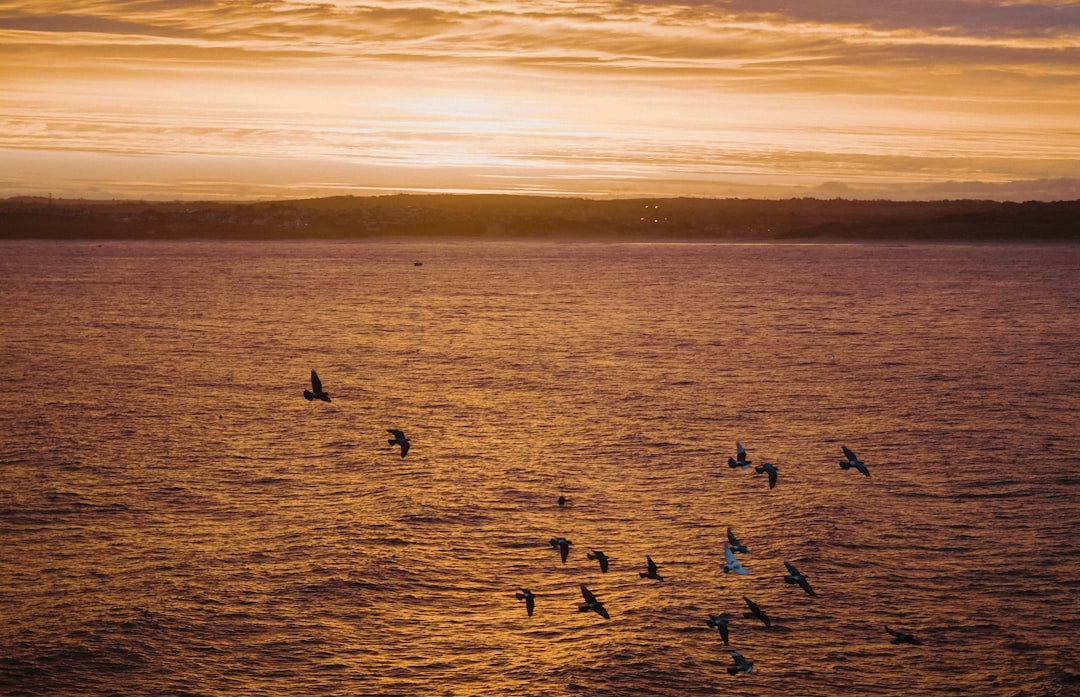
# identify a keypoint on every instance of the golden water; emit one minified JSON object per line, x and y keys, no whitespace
{"x":177,"y":519}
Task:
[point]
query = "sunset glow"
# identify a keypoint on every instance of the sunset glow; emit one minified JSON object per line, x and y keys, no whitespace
{"x":167,"y":99}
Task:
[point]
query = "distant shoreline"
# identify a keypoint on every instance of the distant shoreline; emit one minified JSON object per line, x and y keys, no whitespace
{"x":519,"y":217}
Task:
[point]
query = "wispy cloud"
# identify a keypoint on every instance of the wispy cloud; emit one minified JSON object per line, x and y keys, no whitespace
{"x":670,"y":94}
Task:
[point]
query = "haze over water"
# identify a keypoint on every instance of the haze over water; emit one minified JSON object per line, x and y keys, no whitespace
{"x":177,"y":519}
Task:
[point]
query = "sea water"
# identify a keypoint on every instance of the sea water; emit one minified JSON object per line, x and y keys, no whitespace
{"x":177,"y":519}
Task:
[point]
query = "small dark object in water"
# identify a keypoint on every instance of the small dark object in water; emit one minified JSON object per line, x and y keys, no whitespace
{"x":562,"y":500}
{"x":902,"y":637}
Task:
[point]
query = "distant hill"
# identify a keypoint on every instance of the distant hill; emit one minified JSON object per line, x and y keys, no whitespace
{"x":537,"y":217}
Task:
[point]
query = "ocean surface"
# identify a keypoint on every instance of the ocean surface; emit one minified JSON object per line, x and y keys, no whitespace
{"x":176,"y":519}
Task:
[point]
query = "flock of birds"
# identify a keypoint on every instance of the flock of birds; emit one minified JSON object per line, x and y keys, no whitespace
{"x":731,"y":564}
{"x":721,"y":622}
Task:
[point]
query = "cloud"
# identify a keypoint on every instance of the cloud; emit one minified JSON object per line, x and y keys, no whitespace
{"x":633,"y":37}
{"x":605,"y":91}
{"x":66,"y":23}
{"x":951,"y":17}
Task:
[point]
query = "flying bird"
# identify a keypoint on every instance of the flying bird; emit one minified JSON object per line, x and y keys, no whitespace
{"x":902,"y":637}
{"x":796,"y":577}
{"x":756,"y":612}
{"x":316,"y":391}
{"x":740,"y":458}
{"x":398,"y":439}
{"x":563,"y":545}
{"x":591,"y":603}
{"x":852,"y":461}
{"x":732,"y":564}
{"x":599,"y":556}
{"x":653,"y":572}
{"x":721,"y":623}
{"x":741,"y":664}
{"x":736,"y":546}
{"x":770,"y":468}
{"x":530,"y":599}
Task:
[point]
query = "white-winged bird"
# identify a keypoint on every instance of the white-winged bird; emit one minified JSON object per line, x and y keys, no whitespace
{"x":741,"y":664}
{"x":732,"y":564}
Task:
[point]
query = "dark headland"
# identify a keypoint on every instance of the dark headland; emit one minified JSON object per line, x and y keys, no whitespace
{"x":538,"y":217}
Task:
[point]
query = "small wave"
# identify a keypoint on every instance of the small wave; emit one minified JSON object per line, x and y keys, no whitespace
{"x":1025,"y":493}
{"x":336,"y":586}
{"x":270,"y":480}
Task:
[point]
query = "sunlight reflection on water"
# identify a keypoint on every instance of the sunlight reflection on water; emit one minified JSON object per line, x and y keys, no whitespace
{"x":177,"y":518}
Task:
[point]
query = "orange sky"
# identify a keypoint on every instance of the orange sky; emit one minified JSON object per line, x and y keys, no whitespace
{"x":178,"y":99}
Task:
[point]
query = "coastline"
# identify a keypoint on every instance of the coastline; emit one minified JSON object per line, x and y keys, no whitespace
{"x":492,"y":217}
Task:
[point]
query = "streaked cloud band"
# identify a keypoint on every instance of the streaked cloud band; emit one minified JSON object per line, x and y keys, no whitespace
{"x":688,"y":97}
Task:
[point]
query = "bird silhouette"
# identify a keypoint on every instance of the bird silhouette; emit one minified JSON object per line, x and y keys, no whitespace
{"x":529,"y":598}
{"x":741,"y":664}
{"x":599,"y":556}
{"x":316,"y":391}
{"x":796,"y":577}
{"x":736,"y":546}
{"x":398,"y":439}
{"x":591,"y":603}
{"x":902,"y":637}
{"x":769,"y":468}
{"x":740,"y":458}
{"x":653,"y":572}
{"x":563,"y":545}
{"x":852,"y":461}
{"x":721,"y":623}
{"x":756,"y":612}
{"x":732,"y":564}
